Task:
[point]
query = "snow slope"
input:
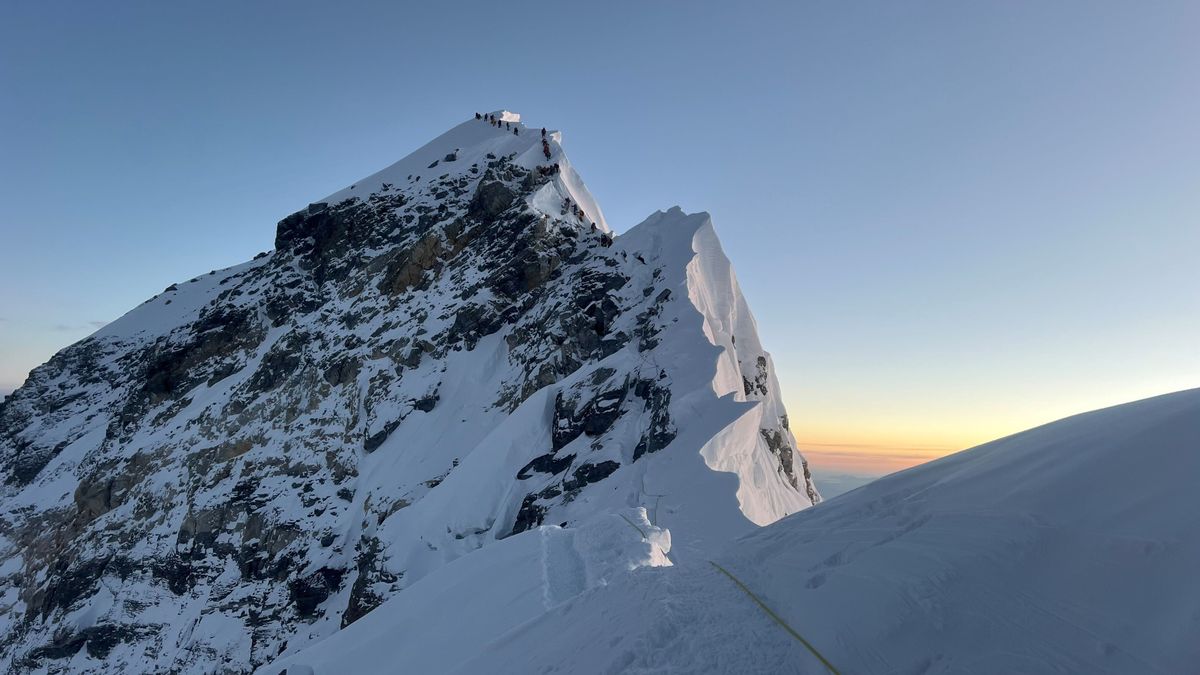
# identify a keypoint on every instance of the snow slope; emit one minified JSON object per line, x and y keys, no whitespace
{"x":1069,"y":548}
{"x":454,"y":612}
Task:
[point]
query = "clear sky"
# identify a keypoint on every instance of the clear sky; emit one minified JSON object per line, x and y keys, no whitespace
{"x":954,"y":220}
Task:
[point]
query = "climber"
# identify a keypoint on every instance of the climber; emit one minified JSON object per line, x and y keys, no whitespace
{"x":515,"y":132}
{"x":543,"y":132}
{"x":478,"y":116}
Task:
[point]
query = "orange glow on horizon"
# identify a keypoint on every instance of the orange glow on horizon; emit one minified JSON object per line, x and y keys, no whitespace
{"x":868,"y":459}
{"x":877,"y":434}
{"x":865,"y":453}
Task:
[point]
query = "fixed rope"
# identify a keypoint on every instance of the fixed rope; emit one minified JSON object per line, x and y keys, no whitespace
{"x":779,"y":620}
{"x":634,"y":526}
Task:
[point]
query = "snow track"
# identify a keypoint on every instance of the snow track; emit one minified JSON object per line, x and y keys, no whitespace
{"x":564,"y":571}
{"x":482,"y":600}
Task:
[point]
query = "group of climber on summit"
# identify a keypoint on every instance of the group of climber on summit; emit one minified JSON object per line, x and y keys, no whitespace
{"x":499,"y":124}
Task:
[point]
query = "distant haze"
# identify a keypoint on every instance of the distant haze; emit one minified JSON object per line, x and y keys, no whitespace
{"x":833,"y":484}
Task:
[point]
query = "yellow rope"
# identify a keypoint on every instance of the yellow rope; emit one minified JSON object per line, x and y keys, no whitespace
{"x":776,"y":617}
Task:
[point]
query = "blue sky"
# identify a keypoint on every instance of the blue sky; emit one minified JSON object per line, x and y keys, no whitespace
{"x":953,"y":220}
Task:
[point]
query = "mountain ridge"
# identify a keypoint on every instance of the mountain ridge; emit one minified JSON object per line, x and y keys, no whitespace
{"x":252,"y":460}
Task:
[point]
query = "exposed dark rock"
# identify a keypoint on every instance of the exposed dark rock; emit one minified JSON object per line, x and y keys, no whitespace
{"x":661,"y":431}
{"x":547,"y":463}
{"x":103,"y":490}
{"x":777,"y":442}
{"x":426,"y":403}
{"x":174,"y":571}
{"x":68,"y":584}
{"x":590,"y":473}
{"x":343,"y":371}
{"x":490,"y":200}
{"x":235,"y":448}
{"x":99,"y":641}
{"x":307,"y":593}
{"x":473,"y":322}
{"x":530,"y":515}
{"x":279,"y":363}
{"x":759,"y":384}
{"x":375,"y":440}
{"x":407,"y":269}
{"x":370,"y":572}
{"x":594,"y":417}
{"x":171,"y":370}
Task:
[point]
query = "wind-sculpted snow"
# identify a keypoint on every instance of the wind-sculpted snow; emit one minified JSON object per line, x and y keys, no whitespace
{"x":447,"y":356}
{"x":1069,"y":548}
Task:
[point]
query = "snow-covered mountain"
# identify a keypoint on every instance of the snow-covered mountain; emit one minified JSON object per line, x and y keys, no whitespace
{"x":1070,"y":548}
{"x":432,"y":363}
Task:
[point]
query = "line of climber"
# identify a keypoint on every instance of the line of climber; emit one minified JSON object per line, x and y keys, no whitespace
{"x":569,"y":207}
{"x":606,"y":239}
{"x":499,"y":124}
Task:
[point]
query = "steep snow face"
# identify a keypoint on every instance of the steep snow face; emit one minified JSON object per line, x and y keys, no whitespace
{"x":441,"y":358}
{"x":1072,"y":547}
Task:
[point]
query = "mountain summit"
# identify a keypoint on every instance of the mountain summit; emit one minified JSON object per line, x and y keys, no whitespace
{"x":452,"y":354}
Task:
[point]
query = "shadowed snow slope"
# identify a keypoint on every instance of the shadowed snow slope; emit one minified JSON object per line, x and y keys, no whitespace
{"x":1069,"y":548}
